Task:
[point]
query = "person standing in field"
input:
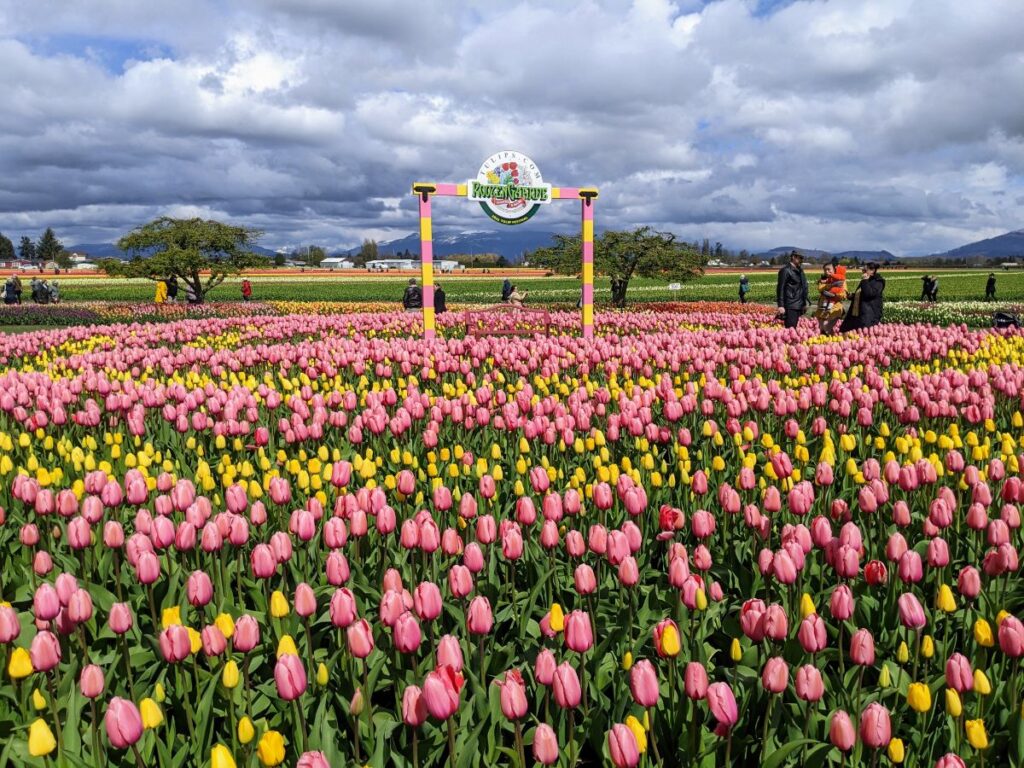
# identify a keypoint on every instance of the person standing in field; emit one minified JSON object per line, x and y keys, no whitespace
{"x":506,"y":290}
{"x":926,"y":287}
{"x":990,"y":287}
{"x":831,"y":294}
{"x":935,"y":289}
{"x":161,"y":292}
{"x":866,"y":304}
{"x":791,"y":291}
{"x":246,"y":290}
{"x":412,"y":299}
{"x":440,"y":300}
{"x":17,"y":289}
{"x":172,"y":288}
{"x":744,"y":289}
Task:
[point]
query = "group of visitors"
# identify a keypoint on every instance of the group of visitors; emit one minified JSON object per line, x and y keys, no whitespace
{"x":412,"y":299}
{"x":42,"y":292}
{"x":929,"y":288}
{"x":510,"y":294}
{"x":792,"y":296}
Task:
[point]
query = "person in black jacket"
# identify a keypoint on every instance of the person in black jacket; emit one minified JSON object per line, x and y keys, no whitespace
{"x":412,"y":299}
{"x":440,"y":300}
{"x":866,"y":304}
{"x":791,"y":291}
{"x":990,"y":287}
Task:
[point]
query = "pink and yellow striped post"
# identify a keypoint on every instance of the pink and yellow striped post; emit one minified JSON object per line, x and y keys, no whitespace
{"x":587,"y":197}
{"x":424,"y":190}
{"x":427,"y":259}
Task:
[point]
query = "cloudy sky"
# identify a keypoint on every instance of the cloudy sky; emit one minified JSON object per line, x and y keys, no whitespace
{"x":837,"y":124}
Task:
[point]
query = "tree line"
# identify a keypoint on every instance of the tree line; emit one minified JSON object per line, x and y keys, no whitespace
{"x":48,"y":248}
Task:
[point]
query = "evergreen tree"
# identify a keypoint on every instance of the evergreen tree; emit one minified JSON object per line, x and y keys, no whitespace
{"x":27,"y":249}
{"x":6,"y":249}
{"x":718,"y":250}
{"x":49,"y":247}
{"x":705,"y":249}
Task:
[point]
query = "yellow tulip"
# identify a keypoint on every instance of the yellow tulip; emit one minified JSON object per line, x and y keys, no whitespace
{"x":321,"y":674}
{"x":152,"y":715}
{"x":220,"y":757}
{"x":895,"y":751}
{"x":884,"y":678}
{"x":670,"y":643}
{"x":954,"y":706}
{"x":983,"y":634}
{"x":158,"y":692}
{"x":557,"y":620}
{"x":196,"y":639}
{"x":171,"y":617}
{"x":40,"y":739}
{"x":278,"y":605}
{"x":976,"y":734}
{"x":701,"y":600}
{"x":927,"y":646}
{"x":20,"y":664}
{"x":981,"y":684}
{"x":246,"y":732}
{"x":627,"y":660}
{"x":638,"y":731}
{"x":807,"y":606}
{"x":286,"y":645}
{"x":919,"y":697}
{"x":229,"y":676}
{"x":225,"y":624}
{"x":38,"y":700}
{"x":1000,"y":616}
{"x":902,"y":653}
{"x":271,"y":748}
{"x":735,"y":651}
{"x":945,"y":600}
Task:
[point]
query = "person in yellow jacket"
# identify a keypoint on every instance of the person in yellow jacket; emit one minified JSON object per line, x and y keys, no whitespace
{"x":161,"y":292}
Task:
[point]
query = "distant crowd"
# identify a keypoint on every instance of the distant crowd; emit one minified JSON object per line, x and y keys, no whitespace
{"x":412,"y":299}
{"x":41,"y":291}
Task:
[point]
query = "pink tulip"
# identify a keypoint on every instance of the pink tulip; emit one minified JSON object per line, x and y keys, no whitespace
{"x":722,"y":704}
{"x":44,"y":651}
{"x":622,"y":746}
{"x":123,"y":723}
{"x":812,"y":634}
{"x":175,"y":644}
{"x":313,"y":760}
{"x":566,"y":686}
{"x":841,"y":604}
{"x":513,"y":695}
{"x":695,"y":680}
{"x":449,"y":653}
{"x":460,"y":581}
{"x":950,"y":761}
{"x":545,"y":745}
{"x":584,"y":579}
{"x":1011,"y":637}
{"x":441,"y":692}
{"x":775,"y":675}
{"x":578,"y":634}
{"x":479,"y":619}
{"x":841,"y":732}
{"x":544,"y":667}
{"x":290,"y":677}
{"x":46,"y":602}
{"x":875,"y":726}
{"x":911,"y":612}
{"x":406,"y":633}
{"x":120,"y":618}
{"x":247,"y":633}
{"x":414,"y":708}
{"x":862,"y":648}
{"x":90,"y":682}
{"x":959,"y":675}
{"x":10,"y":626}
{"x":343,"y":608}
{"x":199,"y":589}
{"x":360,"y":639}
{"x":214,"y":642}
{"x":809,"y":685}
{"x":643,"y":683}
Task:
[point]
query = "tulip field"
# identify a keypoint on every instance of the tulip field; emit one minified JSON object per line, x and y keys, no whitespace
{"x":697,"y":539}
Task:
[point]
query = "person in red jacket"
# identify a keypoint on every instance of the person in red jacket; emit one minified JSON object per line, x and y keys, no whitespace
{"x":246,"y":290}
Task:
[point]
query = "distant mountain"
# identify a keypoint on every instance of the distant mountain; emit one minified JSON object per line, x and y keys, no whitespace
{"x":111,"y":251}
{"x":511,"y":244}
{"x":813,"y":254}
{"x":1008,"y":246}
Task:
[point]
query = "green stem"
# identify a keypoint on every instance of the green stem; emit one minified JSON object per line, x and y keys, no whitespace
{"x":451,"y":743}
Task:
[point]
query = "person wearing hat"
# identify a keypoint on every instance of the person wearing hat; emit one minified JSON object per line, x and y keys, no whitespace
{"x":791,"y":291}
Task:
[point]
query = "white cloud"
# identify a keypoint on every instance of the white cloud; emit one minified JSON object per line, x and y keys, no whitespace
{"x":839,"y":124}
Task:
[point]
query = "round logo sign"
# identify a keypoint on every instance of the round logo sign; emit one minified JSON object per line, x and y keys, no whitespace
{"x":509,"y":187}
